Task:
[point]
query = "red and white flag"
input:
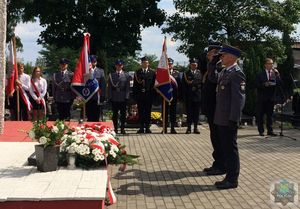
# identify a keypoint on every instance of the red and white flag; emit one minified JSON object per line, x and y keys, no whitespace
{"x":84,"y":84}
{"x":12,"y":71}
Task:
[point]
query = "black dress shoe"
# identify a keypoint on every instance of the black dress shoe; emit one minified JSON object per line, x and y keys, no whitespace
{"x":208,"y":169}
{"x":272,"y":134}
{"x":188,"y":131}
{"x":261,"y":134}
{"x":225,"y":184}
{"x":173,"y":131}
{"x":123,"y":131}
{"x":215,"y":171}
{"x":148,"y":131}
{"x":196,"y":131}
{"x":140,"y":131}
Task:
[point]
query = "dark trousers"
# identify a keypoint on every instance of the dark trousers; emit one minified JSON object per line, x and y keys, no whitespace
{"x":228,"y":137}
{"x":192,"y":111}
{"x":92,"y":110}
{"x":264,"y":107}
{"x":218,"y":154}
{"x":116,"y":107}
{"x":144,"y":111}
{"x":63,"y":110}
{"x":22,"y":105}
{"x":170,"y":112}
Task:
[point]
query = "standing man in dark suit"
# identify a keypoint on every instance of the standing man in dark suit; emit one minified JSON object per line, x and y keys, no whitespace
{"x":230,"y":100}
{"x":118,"y":94}
{"x":93,"y":108}
{"x":209,"y":86}
{"x":191,"y":87}
{"x":143,"y":91}
{"x":266,"y":84}
{"x":176,"y":86}
{"x":62,"y":93}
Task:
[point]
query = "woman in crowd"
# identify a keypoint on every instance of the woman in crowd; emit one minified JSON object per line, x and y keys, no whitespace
{"x":38,"y":90}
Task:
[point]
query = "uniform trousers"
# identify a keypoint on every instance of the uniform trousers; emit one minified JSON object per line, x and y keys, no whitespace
{"x":63,"y":109}
{"x":92,"y":110}
{"x":116,"y":107}
{"x":144,"y":111}
{"x":193,"y":111}
{"x":171,"y":112}
{"x":228,"y":137}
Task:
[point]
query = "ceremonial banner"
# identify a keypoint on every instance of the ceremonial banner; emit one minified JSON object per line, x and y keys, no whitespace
{"x":84,"y":84}
{"x":163,"y":82}
{"x":12,"y":70}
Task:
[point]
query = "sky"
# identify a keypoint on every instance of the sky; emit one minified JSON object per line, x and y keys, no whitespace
{"x":152,"y":39}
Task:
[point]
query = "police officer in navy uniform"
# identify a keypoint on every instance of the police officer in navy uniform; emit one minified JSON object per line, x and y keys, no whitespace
{"x":209,"y":86}
{"x":93,"y":108}
{"x":118,"y":94}
{"x":61,"y":90}
{"x":143,"y":91}
{"x":266,"y":83}
{"x":191,"y":88}
{"x":176,"y":86}
{"x":230,"y":101}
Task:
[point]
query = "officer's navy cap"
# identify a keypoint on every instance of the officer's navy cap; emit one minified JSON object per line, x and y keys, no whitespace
{"x":119,"y":62}
{"x":170,"y":60}
{"x":230,"y":50}
{"x":93,"y":58}
{"x":193,"y":60}
{"x":214,"y":45}
{"x":144,"y":59}
{"x":64,"y":61}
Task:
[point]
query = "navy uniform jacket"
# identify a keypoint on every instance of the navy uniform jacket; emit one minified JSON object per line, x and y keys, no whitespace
{"x":100,"y":76}
{"x":118,"y":87}
{"x":191,"y":86}
{"x":61,"y":87}
{"x":266,"y":93}
{"x":143,"y":84}
{"x":230,"y":98}
{"x":176,"y":89}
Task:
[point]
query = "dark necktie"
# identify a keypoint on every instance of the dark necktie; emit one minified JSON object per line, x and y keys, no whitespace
{"x":118,"y":74}
{"x":62,"y":74}
{"x":269,"y":74}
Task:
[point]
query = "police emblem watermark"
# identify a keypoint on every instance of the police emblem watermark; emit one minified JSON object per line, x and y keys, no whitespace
{"x":284,"y":193}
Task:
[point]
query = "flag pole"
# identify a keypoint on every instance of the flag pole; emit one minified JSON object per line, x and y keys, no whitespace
{"x":83,"y":111}
{"x":17,"y":86}
{"x":164,"y":117}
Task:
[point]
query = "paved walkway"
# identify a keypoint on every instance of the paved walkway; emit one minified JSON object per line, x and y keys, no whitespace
{"x":169,"y":173}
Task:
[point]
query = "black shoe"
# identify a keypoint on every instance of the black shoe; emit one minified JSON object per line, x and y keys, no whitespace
{"x":196,"y":131}
{"x":148,"y":131}
{"x":173,"y":131}
{"x":261,"y":134}
{"x":140,"y":131}
{"x":123,"y":131}
{"x":225,"y":184}
{"x":208,"y":169}
{"x":272,"y":134}
{"x":188,"y":131}
{"x":215,"y":171}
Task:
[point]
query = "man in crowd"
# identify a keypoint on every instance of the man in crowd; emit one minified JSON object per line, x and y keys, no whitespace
{"x":118,"y":94}
{"x":191,"y":88}
{"x":171,"y":108}
{"x":266,"y":82}
{"x":210,"y":79}
{"x":61,"y":90}
{"x":93,"y":108}
{"x":143,"y":91}
{"x":230,"y":100}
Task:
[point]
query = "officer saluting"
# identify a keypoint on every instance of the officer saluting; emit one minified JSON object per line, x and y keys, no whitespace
{"x":143,"y":91}
{"x":230,"y":102}
{"x":191,"y":85}
{"x":62,"y":93}
{"x":118,"y":94}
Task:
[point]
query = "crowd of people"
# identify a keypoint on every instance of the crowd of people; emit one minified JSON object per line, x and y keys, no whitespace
{"x":218,"y":91}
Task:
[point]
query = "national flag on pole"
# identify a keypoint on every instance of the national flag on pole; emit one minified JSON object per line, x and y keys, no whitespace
{"x":84,"y":84}
{"x":12,"y":71}
{"x":163,"y":82}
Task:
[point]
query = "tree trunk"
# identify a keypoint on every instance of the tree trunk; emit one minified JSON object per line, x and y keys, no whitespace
{"x":3,"y":7}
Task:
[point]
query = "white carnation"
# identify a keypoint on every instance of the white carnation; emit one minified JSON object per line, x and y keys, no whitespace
{"x":62,"y":126}
{"x":55,"y":129}
{"x":114,"y":148}
{"x":43,"y":140}
{"x":31,"y":134}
